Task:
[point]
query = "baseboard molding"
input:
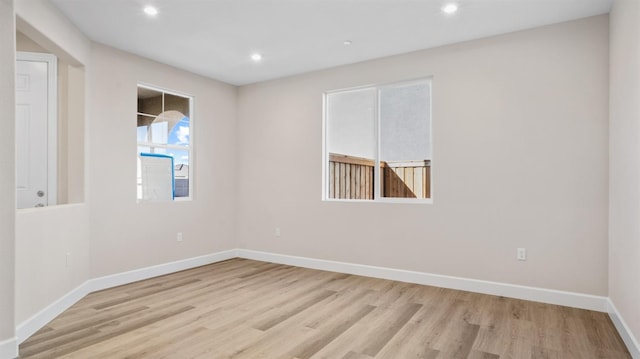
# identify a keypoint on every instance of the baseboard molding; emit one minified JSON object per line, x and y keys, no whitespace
{"x":27,"y":328}
{"x":115,"y":280}
{"x":627,"y":336}
{"x":576,"y":300}
{"x":9,"y":348}
{"x":40,"y":319}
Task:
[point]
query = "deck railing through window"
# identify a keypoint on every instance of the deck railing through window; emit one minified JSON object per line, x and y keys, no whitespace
{"x":353,"y":178}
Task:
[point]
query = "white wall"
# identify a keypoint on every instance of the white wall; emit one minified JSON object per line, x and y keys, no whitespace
{"x":624,"y":186}
{"x":45,"y":236}
{"x":520,"y":158}
{"x":52,"y":252}
{"x":61,"y":247}
{"x":46,"y":25}
{"x":126,"y":235}
{"x":8,"y":346}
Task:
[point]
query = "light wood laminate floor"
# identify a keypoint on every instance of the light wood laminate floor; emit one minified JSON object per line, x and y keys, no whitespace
{"x":248,"y":309}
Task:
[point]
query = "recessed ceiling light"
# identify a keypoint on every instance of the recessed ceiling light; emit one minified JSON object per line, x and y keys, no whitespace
{"x":256,"y":57}
{"x":150,"y":10}
{"x":450,"y":8}
{"x":347,"y":42}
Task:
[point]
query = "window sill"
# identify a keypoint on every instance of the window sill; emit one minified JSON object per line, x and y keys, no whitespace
{"x":179,"y":199}
{"x":382,"y":200}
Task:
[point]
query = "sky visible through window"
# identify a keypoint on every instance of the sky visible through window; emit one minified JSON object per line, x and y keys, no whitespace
{"x":178,"y":136}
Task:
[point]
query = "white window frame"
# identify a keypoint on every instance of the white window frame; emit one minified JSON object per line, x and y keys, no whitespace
{"x":377,"y":198}
{"x":190,"y":149}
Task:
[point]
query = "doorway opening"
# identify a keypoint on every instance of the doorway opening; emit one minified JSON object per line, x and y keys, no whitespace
{"x":36,"y":129}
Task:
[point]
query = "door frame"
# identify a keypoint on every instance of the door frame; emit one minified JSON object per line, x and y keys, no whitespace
{"x":52,"y":118}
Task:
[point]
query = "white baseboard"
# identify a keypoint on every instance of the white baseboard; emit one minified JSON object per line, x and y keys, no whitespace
{"x":40,"y":319}
{"x":576,"y":300}
{"x":115,"y":280}
{"x":27,"y":328}
{"x":627,"y":336}
{"x":9,"y":348}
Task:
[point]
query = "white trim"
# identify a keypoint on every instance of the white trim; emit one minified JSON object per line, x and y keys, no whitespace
{"x":40,"y":319}
{"x":576,"y":300}
{"x":52,"y":130}
{"x":325,"y":158}
{"x":9,"y":348}
{"x":627,"y":336}
{"x":377,"y":176}
{"x":27,"y":328}
{"x":387,"y":200}
{"x":551,"y":296}
{"x":115,"y":280}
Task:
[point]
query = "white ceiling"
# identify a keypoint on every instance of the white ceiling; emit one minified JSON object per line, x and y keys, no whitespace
{"x":215,"y":38}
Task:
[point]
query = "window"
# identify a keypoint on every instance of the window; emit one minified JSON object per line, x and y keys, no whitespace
{"x":378,"y":143}
{"x":164,"y":129}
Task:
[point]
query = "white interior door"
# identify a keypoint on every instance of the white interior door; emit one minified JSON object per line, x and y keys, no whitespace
{"x":36,"y":120}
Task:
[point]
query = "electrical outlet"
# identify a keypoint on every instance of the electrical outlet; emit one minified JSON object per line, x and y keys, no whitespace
{"x":277,"y":232}
{"x":179,"y":237}
{"x":522,"y":254}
